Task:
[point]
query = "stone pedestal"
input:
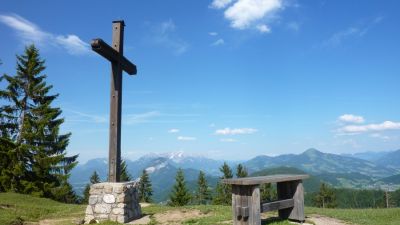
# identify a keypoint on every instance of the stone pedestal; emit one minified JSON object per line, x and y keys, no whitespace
{"x":113,"y":201}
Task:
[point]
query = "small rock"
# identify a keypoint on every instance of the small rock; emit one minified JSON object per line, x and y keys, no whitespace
{"x":108,"y":198}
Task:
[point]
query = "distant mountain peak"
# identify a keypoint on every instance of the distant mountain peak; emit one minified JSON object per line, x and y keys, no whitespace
{"x":312,"y":151}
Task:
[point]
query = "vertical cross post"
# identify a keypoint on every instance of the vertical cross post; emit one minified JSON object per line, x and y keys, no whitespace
{"x":114,"y":158}
{"x":115,"y":54}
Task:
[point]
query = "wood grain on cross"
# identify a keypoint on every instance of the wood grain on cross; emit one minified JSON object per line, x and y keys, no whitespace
{"x":115,"y":54}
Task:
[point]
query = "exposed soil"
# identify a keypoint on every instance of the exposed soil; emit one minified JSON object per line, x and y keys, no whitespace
{"x":323,"y":220}
{"x":176,"y":217}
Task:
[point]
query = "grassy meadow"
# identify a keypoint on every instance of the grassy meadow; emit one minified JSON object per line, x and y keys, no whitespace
{"x":17,"y":209}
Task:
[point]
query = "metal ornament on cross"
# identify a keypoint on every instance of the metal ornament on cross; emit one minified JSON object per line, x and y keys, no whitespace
{"x":115,"y":54}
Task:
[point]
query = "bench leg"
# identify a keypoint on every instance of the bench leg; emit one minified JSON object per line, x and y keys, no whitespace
{"x":246,"y":205}
{"x":295,"y":190}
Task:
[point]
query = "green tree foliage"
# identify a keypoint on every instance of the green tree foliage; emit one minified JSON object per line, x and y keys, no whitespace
{"x":180,"y":195}
{"x":241,"y":171}
{"x":203,"y":195}
{"x":325,"y":198}
{"x":145,"y":188}
{"x":223,"y":193}
{"x":33,"y":153}
{"x":125,"y":175}
{"x":268,"y":192}
{"x":94,"y":179}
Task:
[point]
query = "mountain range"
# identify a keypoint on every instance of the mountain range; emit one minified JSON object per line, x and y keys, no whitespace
{"x":350,"y":171}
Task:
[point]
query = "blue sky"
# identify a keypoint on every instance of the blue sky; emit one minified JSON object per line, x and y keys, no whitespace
{"x":228,"y":79}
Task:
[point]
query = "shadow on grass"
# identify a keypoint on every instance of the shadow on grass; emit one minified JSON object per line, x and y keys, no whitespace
{"x":271,"y":220}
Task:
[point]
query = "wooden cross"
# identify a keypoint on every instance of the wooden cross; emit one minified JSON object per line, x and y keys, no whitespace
{"x":119,"y":63}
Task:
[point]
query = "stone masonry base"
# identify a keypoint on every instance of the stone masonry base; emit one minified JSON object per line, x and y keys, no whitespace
{"x":113,"y":201}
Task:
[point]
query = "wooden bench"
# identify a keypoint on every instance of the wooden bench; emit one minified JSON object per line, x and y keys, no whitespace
{"x":246,"y":204}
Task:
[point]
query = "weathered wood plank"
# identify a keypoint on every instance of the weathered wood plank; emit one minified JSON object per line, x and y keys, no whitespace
{"x":276,"y":205}
{"x":103,"y":49}
{"x":298,"y":197}
{"x":294,"y":190}
{"x":114,"y":156}
{"x":264,"y":179}
{"x":246,"y":205}
{"x":284,"y":190}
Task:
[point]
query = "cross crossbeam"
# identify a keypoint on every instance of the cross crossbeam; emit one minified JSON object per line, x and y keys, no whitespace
{"x":119,"y":63}
{"x":99,"y":46}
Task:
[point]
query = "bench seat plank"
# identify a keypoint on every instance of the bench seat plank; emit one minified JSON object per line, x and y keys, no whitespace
{"x":277,"y":205}
{"x":264,"y":179}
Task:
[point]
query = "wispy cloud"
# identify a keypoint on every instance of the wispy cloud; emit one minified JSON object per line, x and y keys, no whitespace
{"x":263,"y":28}
{"x":213,"y":33}
{"x":165,"y":34}
{"x":235,"y":131}
{"x":350,"y":118}
{"x":131,"y":119}
{"x":185,"y":138}
{"x":357,"y":31}
{"x":218,"y":42}
{"x":173,"y":130}
{"x":244,"y":14}
{"x":355,"y":129}
{"x":227,"y":140}
{"x":76,"y":116}
{"x":29,"y":33}
{"x":219,"y":4}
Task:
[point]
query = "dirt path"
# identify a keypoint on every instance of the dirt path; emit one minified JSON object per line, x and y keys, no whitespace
{"x":323,"y":220}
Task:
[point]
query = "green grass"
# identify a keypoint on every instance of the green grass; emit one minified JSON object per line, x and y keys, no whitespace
{"x":361,"y":216}
{"x":32,"y":209}
{"x":14,"y":207}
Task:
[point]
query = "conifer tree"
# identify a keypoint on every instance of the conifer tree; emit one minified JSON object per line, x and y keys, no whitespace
{"x":29,"y":134}
{"x":223,"y":191}
{"x":326,"y":197}
{"x":203,"y":195}
{"x":267,"y":192}
{"x":94,"y":179}
{"x":180,"y":195}
{"x":125,"y":175}
{"x":241,"y":171}
{"x":145,"y":188}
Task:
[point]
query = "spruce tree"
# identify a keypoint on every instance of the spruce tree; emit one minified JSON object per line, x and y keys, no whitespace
{"x":145,"y":189}
{"x":180,"y":195}
{"x":203,"y":195}
{"x":325,"y":198}
{"x":125,"y":175}
{"x":241,"y":171}
{"x":223,"y":191}
{"x":29,"y":127}
{"x":267,"y":192}
{"x":94,"y":179}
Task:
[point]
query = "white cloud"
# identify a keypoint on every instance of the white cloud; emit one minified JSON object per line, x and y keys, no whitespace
{"x":219,"y":4}
{"x":218,"y":42}
{"x":349,"y":118}
{"x":183,"y":138}
{"x":73,"y":44}
{"x":244,"y":13}
{"x":213,"y":33}
{"x":227,"y":140}
{"x":31,"y":33}
{"x":229,"y":131}
{"x":357,"y":31}
{"x":85,"y":117}
{"x":387,"y":125}
{"x":165,"y":35}
{"x":380,"y":136}
{"x":173,"y":130}
{"x":140,"y":118}
{"x":263,"y":28}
